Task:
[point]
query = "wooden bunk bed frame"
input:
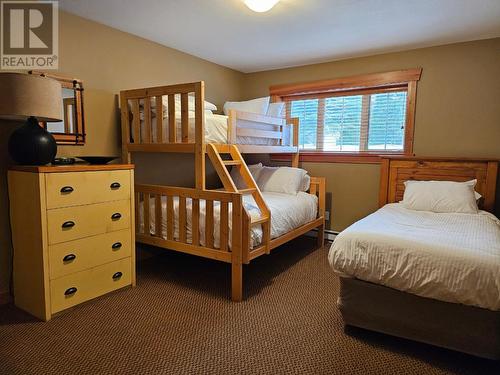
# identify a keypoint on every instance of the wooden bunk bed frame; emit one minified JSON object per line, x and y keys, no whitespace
{"x":135,"y":140}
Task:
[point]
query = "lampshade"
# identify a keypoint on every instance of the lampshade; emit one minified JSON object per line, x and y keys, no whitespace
{"x":25,"y":95}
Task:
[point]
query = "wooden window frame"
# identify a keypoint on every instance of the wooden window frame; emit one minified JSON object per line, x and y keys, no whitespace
{"x":362,"y":84}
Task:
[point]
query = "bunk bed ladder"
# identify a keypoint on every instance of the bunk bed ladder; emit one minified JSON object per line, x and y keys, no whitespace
{"x":221,"y":166}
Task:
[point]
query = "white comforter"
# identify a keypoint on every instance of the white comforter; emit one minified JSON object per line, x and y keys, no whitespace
{"x":215,"y":130}
{"x":287,"y":213}
{"x":448,"y":257}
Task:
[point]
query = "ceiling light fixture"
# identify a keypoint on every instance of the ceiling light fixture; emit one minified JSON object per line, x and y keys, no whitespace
{"x":260,"y":6}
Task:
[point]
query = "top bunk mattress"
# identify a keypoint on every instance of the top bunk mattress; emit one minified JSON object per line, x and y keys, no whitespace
{"x":215,"y":130}
{"x":449,"y":257}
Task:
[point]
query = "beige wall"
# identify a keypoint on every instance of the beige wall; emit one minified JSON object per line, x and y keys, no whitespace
{"x":458,"y":112}
{"x":108,"y":61}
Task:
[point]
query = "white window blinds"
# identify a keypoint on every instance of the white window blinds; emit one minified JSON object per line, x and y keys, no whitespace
{"x":351,"y":123}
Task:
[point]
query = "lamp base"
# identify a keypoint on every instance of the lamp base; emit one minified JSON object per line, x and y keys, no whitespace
{"x":31,"y":144}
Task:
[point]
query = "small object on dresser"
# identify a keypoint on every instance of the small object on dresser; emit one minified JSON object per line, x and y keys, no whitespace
{"x":63,"y":161}
{"x":98,"y":159}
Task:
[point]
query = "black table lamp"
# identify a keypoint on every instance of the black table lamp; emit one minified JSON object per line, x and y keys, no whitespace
{"x":30,"y":98}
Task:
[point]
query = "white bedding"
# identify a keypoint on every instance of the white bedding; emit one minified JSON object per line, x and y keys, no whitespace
{"x":450,"y":257}
{"x":287,"y":213}
{"x":215,"y":130}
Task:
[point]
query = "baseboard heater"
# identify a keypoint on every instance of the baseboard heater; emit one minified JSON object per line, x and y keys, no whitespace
{"x":329,"y":234}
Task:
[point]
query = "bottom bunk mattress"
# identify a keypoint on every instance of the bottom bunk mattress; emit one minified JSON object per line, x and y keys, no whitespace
{"x":449,"y":257}
{"x":287,"y":213}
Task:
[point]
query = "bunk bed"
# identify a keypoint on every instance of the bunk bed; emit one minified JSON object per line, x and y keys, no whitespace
{"x":172,"y":119}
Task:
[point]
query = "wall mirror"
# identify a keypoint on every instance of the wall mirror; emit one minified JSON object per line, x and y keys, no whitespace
{"x":71,"y":130}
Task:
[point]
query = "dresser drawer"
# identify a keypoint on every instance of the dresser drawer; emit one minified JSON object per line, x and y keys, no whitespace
{"x":79,"y":188}
{"x":78,"y":255}
{"x":71,"y":223}
{"x":73,"y":289}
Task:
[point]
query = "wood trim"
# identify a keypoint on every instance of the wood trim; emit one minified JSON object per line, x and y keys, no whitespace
{"x":159,"y":114}
{"x":365,"y":122}
{"x":439,"y":158}
{"x":172,"y":128}
{"x":69,"y":168}
{"x":174,"y":191}
{"x":147,"y":120}
{"x":199,"y":91}
{"x":332,"y":157}
{"x":320,"y":125}
{"x":384,"y":182}
{"x":348,"y":83}
{"x":67,"y":81}
{"x":296,"y":232}
{"x":295,"y":142}
{"x":125,"y":124}
{"x":411,"y":103}
{"x":160,"y":90}
{"x":491,"y":184}
{"x":200,"y":251}
{"x":237,"y":249}
{"x":396,"y":170}
{"x":353,"y":92}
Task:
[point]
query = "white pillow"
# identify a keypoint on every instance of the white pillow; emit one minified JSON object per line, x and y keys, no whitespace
{"x":440,"y":196}
{"x":178,"y":114}
{"x":281,"y":179}
{"x":276,"y":109}
{"x":238,"y":180}
{"x":306,"y":183}
{"x":191,"y":101}
{"x":259,"y":105}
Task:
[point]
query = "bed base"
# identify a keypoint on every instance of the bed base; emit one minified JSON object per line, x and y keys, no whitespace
{"x":240,"y":251}
{"x":467,"y":329}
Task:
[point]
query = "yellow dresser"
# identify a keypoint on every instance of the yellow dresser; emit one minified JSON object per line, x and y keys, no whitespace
{"x":72,"y":232}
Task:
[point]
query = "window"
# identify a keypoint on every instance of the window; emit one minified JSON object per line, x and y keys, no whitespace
{"x":359,"y":117}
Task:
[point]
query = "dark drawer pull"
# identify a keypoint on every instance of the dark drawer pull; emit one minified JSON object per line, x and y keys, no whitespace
{"x":70,"y":291}
{"x":66,"y":189}
{"x":116,"y":216}
{"x":69,"y":258}
{"x":117,"y":275}
{"x":115,"y":185}
{"x":116,"y":245}
{"x":68,"y":224}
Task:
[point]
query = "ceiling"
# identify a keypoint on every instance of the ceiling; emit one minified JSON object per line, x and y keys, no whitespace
{"x":294,"y":32}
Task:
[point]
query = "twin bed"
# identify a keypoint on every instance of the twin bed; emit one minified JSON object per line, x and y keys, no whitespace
{"x":237,"y":223}
{"x":431,"y":277}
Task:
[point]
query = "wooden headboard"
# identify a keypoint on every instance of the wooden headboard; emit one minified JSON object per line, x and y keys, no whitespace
{"x":398,"y":169}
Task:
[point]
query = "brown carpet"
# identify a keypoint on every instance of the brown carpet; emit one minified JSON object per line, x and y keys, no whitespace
{"x":179,"y":320}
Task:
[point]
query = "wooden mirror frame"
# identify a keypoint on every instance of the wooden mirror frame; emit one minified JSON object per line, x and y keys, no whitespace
{"x":76,"y":138}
